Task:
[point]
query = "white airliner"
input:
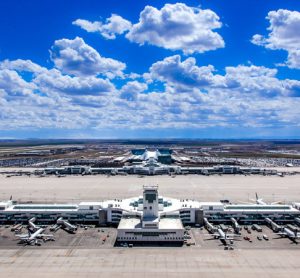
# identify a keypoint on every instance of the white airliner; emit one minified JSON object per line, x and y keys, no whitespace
{"x":289,"y":234}
{"x":220,"y":234}
{"x":259,"y":201}
{"x":33,"y":238}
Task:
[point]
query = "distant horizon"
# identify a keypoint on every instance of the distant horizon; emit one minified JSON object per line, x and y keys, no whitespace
{"x":152,"y":139}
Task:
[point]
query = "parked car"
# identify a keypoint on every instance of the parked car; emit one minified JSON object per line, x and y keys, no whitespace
{"x":265,"y":237}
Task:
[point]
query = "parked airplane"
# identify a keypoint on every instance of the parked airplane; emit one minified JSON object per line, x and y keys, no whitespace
{"x":259,"y":201}
{"x":289,"y":234}
{"x":286,"y":232}
{"x":33,"y":238}
{"x":224,"y":237}
{"x":220,"y":234}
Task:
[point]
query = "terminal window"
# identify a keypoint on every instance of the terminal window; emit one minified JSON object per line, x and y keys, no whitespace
{"x":150,"y":197}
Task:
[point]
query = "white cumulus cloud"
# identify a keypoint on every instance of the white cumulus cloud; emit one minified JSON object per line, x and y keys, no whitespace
{"x":113,"y":25}
{"x":185,"y":76}
{"x":13,"y":84}
{"x":132,"y":89}
{"x":178,"y":27}
{"x":78,"y":58}
{"x":54,"y":81}
{"x":283,"y":34}
{"x":242,"y":97}
{"x":254,"y":80}
{"x":183,"y":73}
{"x":21,"y":65}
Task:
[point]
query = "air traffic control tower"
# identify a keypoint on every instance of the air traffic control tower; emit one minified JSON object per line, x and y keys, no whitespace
{"x":150,"y":226}
{"x":150,"y":217}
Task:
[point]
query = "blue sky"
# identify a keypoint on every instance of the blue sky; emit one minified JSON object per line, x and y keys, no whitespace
{"x":130,"y":69}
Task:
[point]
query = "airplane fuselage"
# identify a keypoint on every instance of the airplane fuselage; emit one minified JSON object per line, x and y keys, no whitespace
{"x":31,"y":237}
{"x":290,"y":234}
{"x":35,"y":234}
{"x":221,"y":233}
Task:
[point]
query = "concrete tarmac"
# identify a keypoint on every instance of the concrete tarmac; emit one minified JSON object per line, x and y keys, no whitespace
{"x":93,"y":188}
{"x":148,"y":262}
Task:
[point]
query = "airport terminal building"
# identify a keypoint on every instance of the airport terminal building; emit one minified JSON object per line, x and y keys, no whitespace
{"x":153,"y":162}
{"x":151,"y":224}
{"x":150,"y":217}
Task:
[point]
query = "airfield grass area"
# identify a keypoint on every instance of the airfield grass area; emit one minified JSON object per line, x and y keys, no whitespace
{"x":83,"y":254}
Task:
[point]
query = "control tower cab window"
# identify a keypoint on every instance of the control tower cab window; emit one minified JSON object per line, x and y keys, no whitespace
{"x":150,"y":197}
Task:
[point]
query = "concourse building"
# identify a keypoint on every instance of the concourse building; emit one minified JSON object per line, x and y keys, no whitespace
{"x":163,"y":156}
{"x":150,"y":217}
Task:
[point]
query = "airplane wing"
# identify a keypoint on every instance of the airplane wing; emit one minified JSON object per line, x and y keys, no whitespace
{"x":23,"y":236}
{"x":215,"y":234}
{"x":232,"y":235}
{"x":276,"y":203}
{"x":281,"y":234}
{"x":229,"y":236}
{"x":45,"y":235}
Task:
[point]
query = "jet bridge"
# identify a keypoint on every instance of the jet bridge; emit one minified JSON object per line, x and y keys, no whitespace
{"x":66,"y":225}
{"x":274,"y":226}
{"x":31,"y":224}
